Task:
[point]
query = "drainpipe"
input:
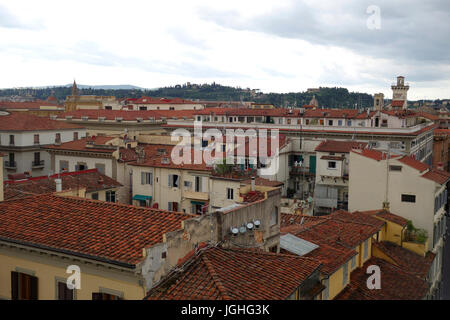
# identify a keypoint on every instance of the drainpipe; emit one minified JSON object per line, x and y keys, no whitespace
{"x":58,"y":185}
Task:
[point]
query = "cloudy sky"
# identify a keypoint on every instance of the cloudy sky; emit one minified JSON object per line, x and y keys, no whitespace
{"x":274,"y":46}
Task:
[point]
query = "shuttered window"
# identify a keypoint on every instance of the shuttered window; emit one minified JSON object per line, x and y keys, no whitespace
{"x":23,"y":286}
{"x":64,"y":293}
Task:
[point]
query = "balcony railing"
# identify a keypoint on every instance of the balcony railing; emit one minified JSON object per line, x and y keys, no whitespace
{"x":36,"y":164}
{"x":10,"y":164}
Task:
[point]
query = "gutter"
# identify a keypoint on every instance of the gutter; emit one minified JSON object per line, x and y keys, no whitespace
{"x":70,"y":253}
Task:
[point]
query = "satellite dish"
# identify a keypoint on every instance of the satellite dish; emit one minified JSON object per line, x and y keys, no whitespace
{"x":249,"y":226}
{"x":257,"y":223}
{"x":234,"y":231}
{"x":242,"y":229}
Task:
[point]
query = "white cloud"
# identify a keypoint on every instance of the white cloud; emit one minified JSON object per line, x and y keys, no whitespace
{"x":152,"y":44}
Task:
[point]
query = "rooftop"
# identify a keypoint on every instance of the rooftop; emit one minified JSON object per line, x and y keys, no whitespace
{"x":396,"y":284}
{"x":90,"y":179}
{"x":235,"y":274}
{"x":98,"y":230}
{"x":21,"y":121}
{"x":339,"y":146}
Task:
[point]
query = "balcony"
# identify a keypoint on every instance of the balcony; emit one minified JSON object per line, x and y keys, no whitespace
{"x":300,"y":171}
{"x":37,"y":164}
{"x":196,"y":195}
{"x":10,"y":165}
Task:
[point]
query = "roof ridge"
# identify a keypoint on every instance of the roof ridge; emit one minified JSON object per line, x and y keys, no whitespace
{"x":215,"y":277}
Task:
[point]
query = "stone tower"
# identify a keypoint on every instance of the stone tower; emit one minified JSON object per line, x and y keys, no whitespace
{"x":74,"y":89}
{"x":314,"y":102}
{"x":400,"y":94}
{"x":378,"y":101}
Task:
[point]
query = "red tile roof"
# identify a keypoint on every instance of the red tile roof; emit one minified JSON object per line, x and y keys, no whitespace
{"x":374,"y":154}
{"x":398,"y":103}
{"x":396,"y":284}
{"x":387,"y":216}
{"x":413,"y":163}
{"x":29,"y":105}
{"x":82,"y":145}
{"x":158,"y":155}
{"x":150,"y":100}
{"x":128,"y":115}
{"x":21,"y":121}
{"x":336,"y":235}
{"x":339,"y":146}
{"x":90,"y":179}
{"x":98,"y":230}
{"x":408,"y":260}
{"x":235,"y":274}
{"x":253,"y":196}
{"x":436,"y":175}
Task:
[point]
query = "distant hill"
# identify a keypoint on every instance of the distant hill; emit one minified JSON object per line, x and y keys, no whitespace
{"x":327,"y":97}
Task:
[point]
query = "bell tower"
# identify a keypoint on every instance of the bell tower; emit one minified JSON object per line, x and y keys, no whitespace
{"x":400,"y":93}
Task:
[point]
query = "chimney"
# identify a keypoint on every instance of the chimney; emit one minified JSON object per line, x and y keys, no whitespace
{"x":253,"y":183}
{"x":58,"y":185}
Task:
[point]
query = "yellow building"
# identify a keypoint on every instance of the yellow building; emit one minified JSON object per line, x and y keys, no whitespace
{"x":107,"y":245}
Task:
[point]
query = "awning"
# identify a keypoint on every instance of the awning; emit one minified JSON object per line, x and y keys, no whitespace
{"x":197,"y":202}
{"x":141,"y":197}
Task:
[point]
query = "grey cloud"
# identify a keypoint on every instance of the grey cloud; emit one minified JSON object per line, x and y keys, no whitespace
{"x":410,"y":30}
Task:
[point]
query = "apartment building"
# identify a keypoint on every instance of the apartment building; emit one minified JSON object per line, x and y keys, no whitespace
{"x":24,"y":138}
{"x":78,"y":232}
{"x":116,"y":122}
{"x":331,"y":185}
{"x":149,"y":103}
{"x":89,"y":184}
{"x":109,"y":155}
{"x":406,"y":186}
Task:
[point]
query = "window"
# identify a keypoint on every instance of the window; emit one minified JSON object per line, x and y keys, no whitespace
{"x":143,"y":108}
{"x":36,"y":139}
{"x":198,"y":184}
{"x":37,"y":158}
{"x":110,"y":196}
{"x":331,"y":164}
{"x":105,"y":296}
{"x":187,"y":184}
{"x":63,"y":165}
{"x":230,"y":194}
{"x":366,"y":249}
{"x":11,"y":139}
{"x":58,"y":138}
{"x":345,"y":275}
{"x":95,"y":196}
{"x":108,"y":107}
{"x":63,"y":292}
{"x":274,"y":217}
{"x":408,"y":198}
{"x":172,"y":206}
{"x":395,"y":168}
{"x":80,"y":166}
{"x":173,"y":180}
{"x":353,"y":262}
{"x":330,"y":122}
{"x":273,"y":249}
{"x":339,"y":122}
{"x":349,"y":123}
{"x":147,"y":178}
{"x":23,"y":286}
{"x":75,"y":136}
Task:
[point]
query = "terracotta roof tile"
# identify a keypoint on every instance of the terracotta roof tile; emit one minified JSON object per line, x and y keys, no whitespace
{"x":340,"y":146}
{"x":100,"y":230}
{"x":90,"y":179}
{"x":21,"y":121}
{"x":387,"y":216}
{"x":396,"y":284}
{"x":237,"y":274}
{"x":416,"y":164}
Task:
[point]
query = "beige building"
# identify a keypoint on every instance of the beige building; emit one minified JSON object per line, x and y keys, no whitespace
{"x":403,"y":185}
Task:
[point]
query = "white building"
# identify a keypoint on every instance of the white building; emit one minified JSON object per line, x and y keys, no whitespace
{"x":23,"y":138}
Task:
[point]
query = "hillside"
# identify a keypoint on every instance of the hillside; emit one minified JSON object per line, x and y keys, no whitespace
{"x":327,"y":97}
